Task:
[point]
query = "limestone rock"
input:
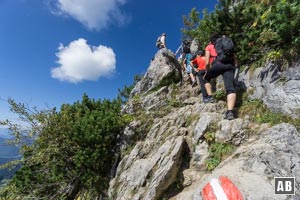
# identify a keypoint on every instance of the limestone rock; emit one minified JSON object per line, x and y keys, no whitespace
{"x":278,"y":90}
{"x":253,"y":167}
{"x":163,"y":64}
{"x":147,"y":178}
{"x":169,"y":160}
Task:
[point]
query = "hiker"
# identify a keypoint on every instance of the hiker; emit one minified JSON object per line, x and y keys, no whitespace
{"x":210,"y":55}
{"x":199,"y":64}
{"x":210,"y":52}
{"x":184,"y":47}
{"x":222,"y":64}
{"x":161,"y":41}
{"x":189,"y":69}
{"x":183,"y":50}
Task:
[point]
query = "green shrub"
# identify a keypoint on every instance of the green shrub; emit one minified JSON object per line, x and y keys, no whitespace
{"x":256,"y":27}
{"x":74,"y":149}
{"x":217,"y":151}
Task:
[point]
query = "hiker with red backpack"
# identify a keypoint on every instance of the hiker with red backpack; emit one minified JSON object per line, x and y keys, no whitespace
{"x":222,"y":63}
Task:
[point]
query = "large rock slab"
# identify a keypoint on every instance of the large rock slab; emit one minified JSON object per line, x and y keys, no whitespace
{"x":163,"y":64}
{"x":278,"y":89}
{"x":254,"y":165}
{"x":147,"y":178}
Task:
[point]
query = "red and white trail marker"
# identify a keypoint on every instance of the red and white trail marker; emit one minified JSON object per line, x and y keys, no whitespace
{"x":221,"y":189}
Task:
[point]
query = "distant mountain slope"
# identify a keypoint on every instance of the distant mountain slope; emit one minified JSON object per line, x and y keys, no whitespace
{"x":7,"y":153}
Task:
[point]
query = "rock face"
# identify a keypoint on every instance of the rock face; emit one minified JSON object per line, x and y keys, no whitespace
{"x":278,"y":89}
{"x":254,"y":165}
{"x":162,"y":65}
{"x":167,"y":147}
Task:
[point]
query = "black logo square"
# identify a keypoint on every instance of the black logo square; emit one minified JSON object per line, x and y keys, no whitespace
{"x":285,"y":185}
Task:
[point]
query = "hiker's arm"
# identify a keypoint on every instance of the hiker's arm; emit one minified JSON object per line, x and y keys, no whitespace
{"x":192,"y":63}
{"x":207,"y":56}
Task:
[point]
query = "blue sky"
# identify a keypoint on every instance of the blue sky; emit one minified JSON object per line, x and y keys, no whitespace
{"x":53,"y":51}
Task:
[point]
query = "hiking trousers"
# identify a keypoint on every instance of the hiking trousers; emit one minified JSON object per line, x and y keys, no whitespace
{"x":227,"y":70}
{"x":200,"y":75}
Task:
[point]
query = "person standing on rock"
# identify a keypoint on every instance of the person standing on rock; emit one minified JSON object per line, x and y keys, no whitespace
{"x":223,"y":64}
{"x":210,"y":55}
{"x":161,"y":41}
{"x":189,"y":69}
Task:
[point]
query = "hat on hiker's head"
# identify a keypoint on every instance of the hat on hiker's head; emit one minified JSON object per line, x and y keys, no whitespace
{"x":200,"y":52}
{"x":164,"y":34}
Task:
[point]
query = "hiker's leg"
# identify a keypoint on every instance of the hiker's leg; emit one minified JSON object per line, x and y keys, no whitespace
{"x":190,"y":73}
{"x":228,"y":78}
{"x":192,"y":77}
{"x":208,"y":88}
{"x":231,"y":99}
{"x":201,"y":80}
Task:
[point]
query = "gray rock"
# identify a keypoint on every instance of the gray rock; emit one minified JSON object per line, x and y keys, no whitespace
{"x":200,"y":155}
{"x":253,"y":167}
{"x":149,"y":176}
{"x":202,"y":125}
{"x":164,"y":63}
{"x":278,"y":90}
{"x":232,"y":131}
{"x":161,"y":157}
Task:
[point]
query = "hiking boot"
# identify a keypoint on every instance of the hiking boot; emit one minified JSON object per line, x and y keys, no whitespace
{"x":194,"y":83}
{"x":229,"y":115}
{"x":209,"y":99}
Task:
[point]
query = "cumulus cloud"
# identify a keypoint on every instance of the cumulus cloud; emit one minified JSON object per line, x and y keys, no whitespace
{"x":79,"y":62}
{"x":94,"y":14}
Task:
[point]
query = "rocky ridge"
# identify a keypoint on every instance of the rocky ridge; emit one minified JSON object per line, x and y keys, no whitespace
{"x":167,"y":147}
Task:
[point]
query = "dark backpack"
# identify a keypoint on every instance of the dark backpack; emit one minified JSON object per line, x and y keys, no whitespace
{"x":224,"y":48}
{"x":186,"y":46}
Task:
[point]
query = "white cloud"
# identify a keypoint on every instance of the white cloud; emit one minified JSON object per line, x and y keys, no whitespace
{"x":94,"y":14}
{"x":79,"y":62}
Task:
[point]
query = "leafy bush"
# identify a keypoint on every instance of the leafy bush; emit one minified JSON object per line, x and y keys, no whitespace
{"x":74,"y":150}
{"x":257,"y":27}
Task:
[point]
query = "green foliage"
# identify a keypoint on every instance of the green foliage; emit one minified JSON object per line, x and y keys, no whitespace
{"x":170,"y":79}
{"x":256,"y":27}
{"x":259,"y":113}
{"x":216,"y":152}
{"x":73,"y":150}
{"x":125,"y":92}
{"x":190,"y":119}
{"x":220,"y":95}
{"x":174,"y":102}
{"x":209,"y":137}
{"x":146,"y":122}
{"x":209,"y":134}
